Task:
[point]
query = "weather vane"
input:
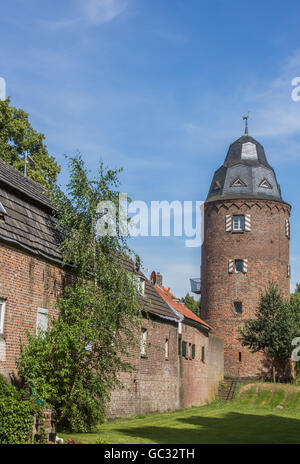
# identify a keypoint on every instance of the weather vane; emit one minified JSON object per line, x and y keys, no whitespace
{"x":246,"y":117}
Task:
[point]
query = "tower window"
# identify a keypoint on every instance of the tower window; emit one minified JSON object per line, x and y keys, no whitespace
{"x":239,"y":265}
{"x":240,"y":357}
{"x":238,"y":307}
{"x":239,"y":223}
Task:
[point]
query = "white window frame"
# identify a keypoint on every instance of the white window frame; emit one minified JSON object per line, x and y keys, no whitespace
{"x":237,"y":225}
{"x":2,"y":315}
{"x":44,"y":312}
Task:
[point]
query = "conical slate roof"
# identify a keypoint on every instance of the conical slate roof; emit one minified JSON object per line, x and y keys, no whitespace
{"x":245,"y":173}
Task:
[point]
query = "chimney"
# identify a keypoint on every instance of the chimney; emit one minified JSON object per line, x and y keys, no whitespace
{"x":159,"y":279}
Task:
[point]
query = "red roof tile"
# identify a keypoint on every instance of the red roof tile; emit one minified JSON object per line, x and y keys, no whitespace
{"x":180,"y":307}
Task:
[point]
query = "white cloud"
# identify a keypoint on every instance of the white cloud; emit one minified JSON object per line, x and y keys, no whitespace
{"x":102,"y":11}
{"x":90,"y":12}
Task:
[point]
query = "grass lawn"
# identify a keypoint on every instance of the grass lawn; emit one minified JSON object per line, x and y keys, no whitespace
{"x":261,"y":414}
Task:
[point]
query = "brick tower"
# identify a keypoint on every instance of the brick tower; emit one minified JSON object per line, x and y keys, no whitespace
{"x":246,"y":245}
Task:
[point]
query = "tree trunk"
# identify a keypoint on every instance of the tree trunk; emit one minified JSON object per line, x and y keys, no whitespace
{"x":274,"y":374}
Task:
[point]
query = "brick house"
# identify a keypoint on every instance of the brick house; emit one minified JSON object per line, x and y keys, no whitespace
{"x":167,"y":374}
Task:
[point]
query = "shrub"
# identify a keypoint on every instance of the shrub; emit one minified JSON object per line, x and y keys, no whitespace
{"x":16,"y":416}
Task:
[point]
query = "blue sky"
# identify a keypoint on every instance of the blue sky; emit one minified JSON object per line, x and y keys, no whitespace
{"x":158,"y":87}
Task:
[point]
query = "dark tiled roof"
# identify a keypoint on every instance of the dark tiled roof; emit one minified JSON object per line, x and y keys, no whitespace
{"x":245,"y":162}
{"x":28,"y":221}
{"x":14,"y":179}
{"x":152,"y":301}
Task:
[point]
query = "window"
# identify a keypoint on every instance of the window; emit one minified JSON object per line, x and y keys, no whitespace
{"x":41,"y":321}
{"x":193,"y":351}
{"x":2,"y":315}
{"x":179,"y":345}
{"x":240,"y":357}
{"x":203,"y":354}
{"x":184,"y":349}
{"x":144,"y":342}
{"x":239,"y":264}
{"x":239,"y":223}
{"x":265,"y":184}
{"x":238,"y":307}
{"x":238,"y":183}
{"x":167,"y":348}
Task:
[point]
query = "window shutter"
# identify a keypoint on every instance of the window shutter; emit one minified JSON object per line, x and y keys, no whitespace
{"x":184,"y":349}
{"x":203,"y":354}
{"x":287,"y":228}
{"x":245,"y":266}
{"x":179,"y":345}
{"x":228,"y":223}
{"x":230,"y":266}
{"x":41,"y":320}
{"x":193,"y":351}
{"x":248,"y":223}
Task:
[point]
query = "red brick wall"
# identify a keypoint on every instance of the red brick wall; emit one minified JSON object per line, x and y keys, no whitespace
{"x":26,"y":283}
{"x":194,"y":372}
{"x":158,"y":384}
{"x":267,"y":249}
{"x":153,"y":387}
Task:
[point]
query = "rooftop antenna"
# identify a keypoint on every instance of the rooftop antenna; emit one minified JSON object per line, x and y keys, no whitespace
{"x":29,"y":160}
{"x":246,"y":118}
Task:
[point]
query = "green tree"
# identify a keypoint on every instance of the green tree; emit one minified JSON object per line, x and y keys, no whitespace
{"x":296,"y":295}
{"x":75,"y":364}
{"x":192,"y":304}
{"x":17,"y":136}
{"x":272,"y":331}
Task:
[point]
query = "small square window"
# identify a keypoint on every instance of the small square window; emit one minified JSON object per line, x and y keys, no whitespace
{"x":238,"y":307}
{"x":239,"y":265}
{"x":41,"y":321}
{"x":239,"y":223}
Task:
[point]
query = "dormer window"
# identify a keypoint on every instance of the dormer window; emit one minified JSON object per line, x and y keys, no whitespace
{"x":265,"y":184}
{"x":238,"y":183}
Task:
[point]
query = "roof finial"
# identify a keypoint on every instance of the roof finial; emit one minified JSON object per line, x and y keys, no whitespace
{"x":246,"y":118}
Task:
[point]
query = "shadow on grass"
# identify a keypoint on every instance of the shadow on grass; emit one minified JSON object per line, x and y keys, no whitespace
{"x":232,"y":428}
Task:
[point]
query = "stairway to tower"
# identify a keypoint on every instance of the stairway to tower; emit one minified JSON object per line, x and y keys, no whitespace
{"x":227,"y":392}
